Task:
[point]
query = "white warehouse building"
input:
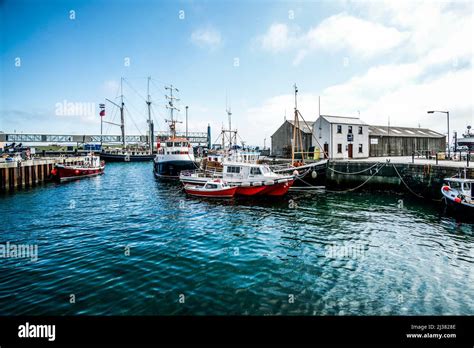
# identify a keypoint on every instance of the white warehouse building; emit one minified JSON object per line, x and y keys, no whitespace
{"x":341,"y":137}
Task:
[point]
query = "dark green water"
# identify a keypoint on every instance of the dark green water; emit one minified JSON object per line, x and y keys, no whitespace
{"x":304,"y":254}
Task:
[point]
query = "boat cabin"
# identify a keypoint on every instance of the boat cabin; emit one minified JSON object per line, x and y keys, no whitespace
{"x":238,"y":170}
{"x":174,"y":146}
{"x":91,"y":161}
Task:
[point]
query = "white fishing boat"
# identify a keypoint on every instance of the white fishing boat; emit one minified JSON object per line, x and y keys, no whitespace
{"x":459,"y":194}
{"x":174,"y":155}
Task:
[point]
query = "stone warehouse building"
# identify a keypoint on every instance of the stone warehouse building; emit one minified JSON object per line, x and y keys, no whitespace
{"x":282,"y":138}
{"x":341,"y":137}
{"x":403,"y":141}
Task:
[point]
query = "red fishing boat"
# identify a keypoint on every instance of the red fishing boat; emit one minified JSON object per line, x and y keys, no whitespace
{"x":91,"y":166}
{"x":213,"y":188}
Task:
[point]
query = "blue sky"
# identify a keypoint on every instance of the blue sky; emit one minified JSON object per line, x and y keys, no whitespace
{"x":383,"y":59}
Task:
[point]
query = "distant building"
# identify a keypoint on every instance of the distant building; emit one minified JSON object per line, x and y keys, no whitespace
{"x":282,"y":138}
{"x":339,"y":137}
{"x":403,"y":141}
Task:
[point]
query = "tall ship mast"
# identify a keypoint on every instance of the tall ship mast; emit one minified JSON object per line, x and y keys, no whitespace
{"x":128,"y":153}
{"x":174,"y":154}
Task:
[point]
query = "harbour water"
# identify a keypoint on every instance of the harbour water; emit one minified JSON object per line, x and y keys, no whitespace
{"x":127,"y":244}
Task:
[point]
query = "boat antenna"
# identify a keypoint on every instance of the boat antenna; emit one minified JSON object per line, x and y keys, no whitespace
{"x":171,"y":106}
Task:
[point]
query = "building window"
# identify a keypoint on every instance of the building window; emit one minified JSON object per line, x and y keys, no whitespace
{"x":339,"y":129}
{"x":360,"y":129}
{"x":361,"y":148}
{"x":339,"y":148}
{"x":349,"y":129}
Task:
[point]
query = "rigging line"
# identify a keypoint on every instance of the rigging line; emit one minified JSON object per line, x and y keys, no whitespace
{"x":143,"y":111}
{"x":133,"y":121}
{"x":134,"y":89}
{"x":353,"y":173}
{"x":312,"y":134}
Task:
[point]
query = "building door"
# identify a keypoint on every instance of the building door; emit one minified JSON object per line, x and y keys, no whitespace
{"x":326,"y":151}
{"x":350,"y":150}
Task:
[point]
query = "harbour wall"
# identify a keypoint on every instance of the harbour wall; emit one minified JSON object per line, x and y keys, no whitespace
{"x":23,"y":174}
{"x":421,"y":180}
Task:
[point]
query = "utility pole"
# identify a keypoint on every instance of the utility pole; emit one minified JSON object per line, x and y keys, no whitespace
{"x":122,"y":116}
{"x":447,"y":116}
{"x":187,"y":107}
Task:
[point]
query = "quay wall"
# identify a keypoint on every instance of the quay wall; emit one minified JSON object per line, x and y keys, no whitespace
{"x":423,"y":180}
{"x":29,"y":173}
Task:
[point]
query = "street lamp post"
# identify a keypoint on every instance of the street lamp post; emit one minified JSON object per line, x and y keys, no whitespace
{"x":447,"y":115}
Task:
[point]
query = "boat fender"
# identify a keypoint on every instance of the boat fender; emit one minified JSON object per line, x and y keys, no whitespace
{"x":268,"y":183}
{"x":245,"y":184}
{"x":257,"y":184}
{"x":314,"y":175}
{"x":295,"y":172}
{"x":457,"y":200}
{"x":445,"y":188}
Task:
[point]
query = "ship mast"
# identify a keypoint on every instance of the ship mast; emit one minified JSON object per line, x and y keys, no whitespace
{"x":150,"y":122}
{"x":297,"y":137}
{"x":171,"y":106}
{"x":232,"y":133}
{"x":122,"y":118}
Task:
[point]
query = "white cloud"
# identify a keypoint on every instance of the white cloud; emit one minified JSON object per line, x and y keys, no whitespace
{"x":355,"y":35}
{"x":206,"y":37}
{"x":431,"y":68}
{"x":277,"y":38}
{"x":340,"y":32}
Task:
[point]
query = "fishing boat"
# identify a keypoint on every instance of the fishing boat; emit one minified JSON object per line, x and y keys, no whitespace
{"x":127,"y":153}
{"x":458,"y":194}
{"x":250,"y":178}
{"x":212,"y":188}
{"x":91,"y":166}
{"x":174,"y":154}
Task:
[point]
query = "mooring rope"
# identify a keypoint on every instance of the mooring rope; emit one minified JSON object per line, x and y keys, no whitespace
{"x":354,"y":173}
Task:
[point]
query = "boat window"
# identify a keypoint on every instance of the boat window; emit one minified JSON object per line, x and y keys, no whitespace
{"x":232,"y":169}
{"x":467,"y":186}
{"x":211,"y":186}
{"x":169,"y":144}
{"x":177,"y":144}
{"x":255,"y":171}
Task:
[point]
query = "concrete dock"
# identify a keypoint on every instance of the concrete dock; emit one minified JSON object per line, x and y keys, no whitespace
{"x":423,"y":178}
{"x":27,"y":173}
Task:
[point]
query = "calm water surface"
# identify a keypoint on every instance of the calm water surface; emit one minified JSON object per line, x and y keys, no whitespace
{"x":304,"y":254}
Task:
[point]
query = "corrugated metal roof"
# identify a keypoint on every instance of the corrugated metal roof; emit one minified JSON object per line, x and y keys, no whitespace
{"x":343,"y":120}
{"x":302,"y":125}
{"x":404,"y":132}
